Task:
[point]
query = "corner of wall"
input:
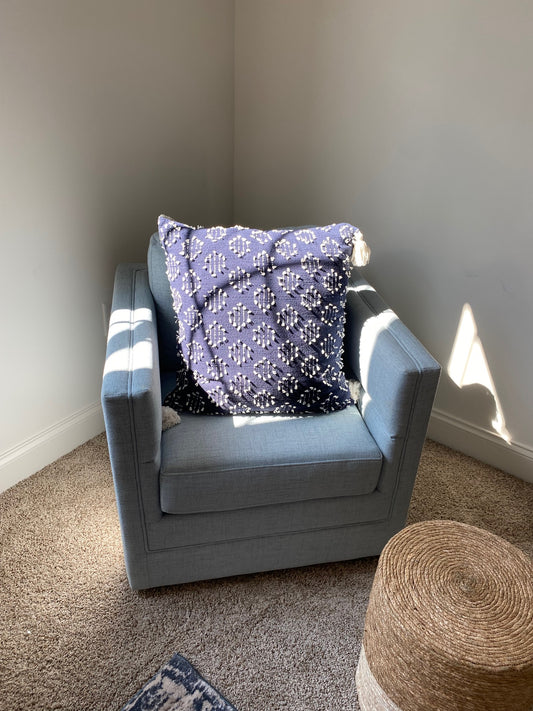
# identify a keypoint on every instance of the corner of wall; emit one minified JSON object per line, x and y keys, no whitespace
{"x":233,"y":118}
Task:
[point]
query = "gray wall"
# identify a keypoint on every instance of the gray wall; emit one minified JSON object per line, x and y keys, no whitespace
{"x":414,"y":121}
{"x":112,"y":112}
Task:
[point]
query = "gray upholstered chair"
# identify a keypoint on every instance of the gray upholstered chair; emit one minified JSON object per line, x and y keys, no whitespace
{"x":224,"y":495}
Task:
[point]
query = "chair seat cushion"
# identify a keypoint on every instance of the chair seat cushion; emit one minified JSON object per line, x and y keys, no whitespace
{"x":223,"y":463}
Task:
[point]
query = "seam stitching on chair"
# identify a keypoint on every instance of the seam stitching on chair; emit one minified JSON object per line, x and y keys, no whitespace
{"x":131,"y":408}
{"x":272,"y":535}
{"x":416,"y":389}
{"x":271,"y":503}
{"x":254,"y":468}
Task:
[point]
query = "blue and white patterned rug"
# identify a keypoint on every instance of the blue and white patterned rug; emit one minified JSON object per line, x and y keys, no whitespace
{"x":177,"y":686}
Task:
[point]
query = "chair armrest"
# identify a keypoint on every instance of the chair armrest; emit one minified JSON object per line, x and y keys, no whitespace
{"x":399,"y":379}
{"x":131,"y":401}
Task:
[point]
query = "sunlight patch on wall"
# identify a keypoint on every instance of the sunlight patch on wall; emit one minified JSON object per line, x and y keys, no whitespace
{"x":468,"y":365}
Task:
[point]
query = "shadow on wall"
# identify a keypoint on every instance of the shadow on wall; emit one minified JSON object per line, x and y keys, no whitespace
{"x":469,"y":371}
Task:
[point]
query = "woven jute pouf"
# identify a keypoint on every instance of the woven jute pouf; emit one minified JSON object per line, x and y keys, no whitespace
{"x":449,"y":625}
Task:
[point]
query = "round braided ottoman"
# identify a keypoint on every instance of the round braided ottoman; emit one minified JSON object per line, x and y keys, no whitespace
{"x":449,"y":625}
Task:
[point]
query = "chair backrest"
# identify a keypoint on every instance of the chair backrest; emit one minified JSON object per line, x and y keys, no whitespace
{"x":166,"y":320}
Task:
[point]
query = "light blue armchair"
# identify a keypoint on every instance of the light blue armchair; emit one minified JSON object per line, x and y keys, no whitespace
{"x":224,"y":495}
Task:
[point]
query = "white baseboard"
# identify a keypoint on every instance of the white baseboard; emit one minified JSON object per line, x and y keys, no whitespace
{"x":477,"y":442}
{"x":46,"y":446}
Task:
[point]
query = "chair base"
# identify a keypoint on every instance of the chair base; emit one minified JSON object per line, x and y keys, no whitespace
{"x":255,"y":555}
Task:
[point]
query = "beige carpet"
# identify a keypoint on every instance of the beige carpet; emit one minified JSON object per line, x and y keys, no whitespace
{"x":74,"y":636}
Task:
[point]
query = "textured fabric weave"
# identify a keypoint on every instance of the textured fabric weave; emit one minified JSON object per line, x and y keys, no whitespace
{"x":261,"y":314}
{"x":177,"y":686}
